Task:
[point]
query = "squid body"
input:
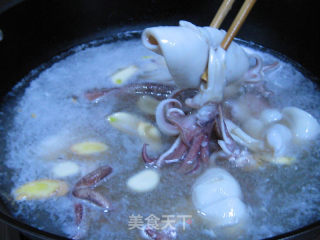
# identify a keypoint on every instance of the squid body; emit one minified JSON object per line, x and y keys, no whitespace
{"x":188,"y":50}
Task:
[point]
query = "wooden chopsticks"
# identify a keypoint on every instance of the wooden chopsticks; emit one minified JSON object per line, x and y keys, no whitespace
{"x":224,"y":9}
{"x":237,"y":23}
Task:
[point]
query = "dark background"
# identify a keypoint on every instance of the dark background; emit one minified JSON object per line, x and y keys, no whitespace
{"x":37,"y":30}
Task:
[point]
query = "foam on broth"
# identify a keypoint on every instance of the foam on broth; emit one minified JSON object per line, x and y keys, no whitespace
{"x":279,"y":198}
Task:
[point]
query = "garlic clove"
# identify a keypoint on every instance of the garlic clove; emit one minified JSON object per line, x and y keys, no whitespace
{"x":88,"y":148}
{"x":133,"y":125}
{"x":144,"y":181}
{"x":52,"y":147}
{"x":270,"y":115}
{"x":65,"y":169}
{"x":122,"y":76}
{"x":41,"y":189}
{"x":148,"y":104}
{"x":303,"y":125}
{"x":125,"y":122}
{"x":148,"y":133}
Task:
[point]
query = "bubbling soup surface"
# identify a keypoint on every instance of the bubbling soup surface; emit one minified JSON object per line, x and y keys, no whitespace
{"x":52,"y":114}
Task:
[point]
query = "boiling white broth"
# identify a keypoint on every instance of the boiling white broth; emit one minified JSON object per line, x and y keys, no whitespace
{"x":53,"y":110}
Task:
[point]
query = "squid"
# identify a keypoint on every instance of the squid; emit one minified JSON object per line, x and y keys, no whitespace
{"x":195,"y":133}
{"x":84,"y":189}
{"x":217,"y":195}
{"x":191,"y":147}
{"x":192,"y":113}
{"x":189,"y":50}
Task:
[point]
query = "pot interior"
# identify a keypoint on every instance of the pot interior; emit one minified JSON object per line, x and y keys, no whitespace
{"x":34,"y":32}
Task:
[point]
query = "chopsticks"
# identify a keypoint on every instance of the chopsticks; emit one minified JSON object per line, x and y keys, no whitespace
{"x":237,"y":23}
{"x":224,"y":9}
{"x":235,"y":26}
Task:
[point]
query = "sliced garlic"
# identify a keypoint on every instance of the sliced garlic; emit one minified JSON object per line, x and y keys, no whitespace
{"x":41,"y":189}
{"x":303,"y":125}
{"x":89,"y":147}
{"x":147,"y":104}
{"x":66,"y":169}
{"x":123,"y":75}
{"x":270,"y":115}
{"x":144,"y":181}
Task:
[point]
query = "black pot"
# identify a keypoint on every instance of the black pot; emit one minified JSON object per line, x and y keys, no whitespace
{"x":34,"y":31}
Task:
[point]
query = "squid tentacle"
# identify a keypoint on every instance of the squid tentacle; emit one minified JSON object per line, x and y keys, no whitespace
{"x":162,"y":119}
{"x":255,"y":74}
{"x":92,"y":196}
{"x":145,"y":155}
{"x":81,"y":224}
{"x":173,"y":154}
{"x":84,"y":188}
{"x":94,"y":177}
{"x":187,"y":127}
{"x":158,"y":90}
{"x":158,"y":235}
{"x":177,"y":154}
{"x":191,"y":161}
{"x":78,"y":209}
{"x":227,"y":144}
{"x":204,"y":150}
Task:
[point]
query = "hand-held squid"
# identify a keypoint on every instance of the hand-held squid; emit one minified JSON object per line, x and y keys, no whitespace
{"x":189,"y":50}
